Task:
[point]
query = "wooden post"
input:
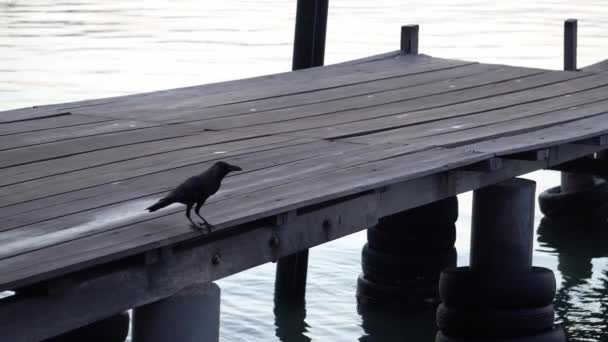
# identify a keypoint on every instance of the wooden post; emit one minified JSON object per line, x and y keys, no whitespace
{"x":191,"y":315}
{"x":309,"y":41}
{"x":308,"y":52}
{"x":409,"y":39}
{"x":290,"y":281}
{"x":502,"y":229}
{"x":573,"y":182}
{"x":570,"y":44}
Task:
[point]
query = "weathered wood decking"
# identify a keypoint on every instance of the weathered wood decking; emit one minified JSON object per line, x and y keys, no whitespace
{"x":325,"y":152}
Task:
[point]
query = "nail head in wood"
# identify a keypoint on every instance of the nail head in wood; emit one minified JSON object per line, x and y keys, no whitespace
{"x":570,"y":44}
{"x":327,"y":224}
{"x":409,"y":39}
{"x":274,"y":240}
{"x":216,"y":259}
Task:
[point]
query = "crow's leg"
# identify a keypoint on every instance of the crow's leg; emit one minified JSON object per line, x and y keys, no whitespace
{"x":188,"y":208}
{"x":197,"y":210}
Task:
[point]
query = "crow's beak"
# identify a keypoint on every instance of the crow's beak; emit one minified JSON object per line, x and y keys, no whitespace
{"x":234,"y":168}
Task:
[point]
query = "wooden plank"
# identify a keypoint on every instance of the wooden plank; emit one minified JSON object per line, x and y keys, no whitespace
{"x":52,"y":150}
{"x":517,"y":95}
{"x":349,"y":91}
{"x":426,"y":108}
{"x":302,"y":81}
{"x":511,"y":127}
{"x":601,"y":66}
{"x":65,"y":133}
{"x":252,"y":157}
{"x":54,"y":122}
{"x":188,"y":146}
{"x":555,"y":135}
{"x":15,"y":116}
{"x":47,"y":233}
{"x":119,"y":171}
{"x":390,"y":99}
{"x":581,"y":102}
{"x":120,"y":286}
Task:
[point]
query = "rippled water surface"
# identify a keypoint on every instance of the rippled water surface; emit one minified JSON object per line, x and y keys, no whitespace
{"x":55,"y":51}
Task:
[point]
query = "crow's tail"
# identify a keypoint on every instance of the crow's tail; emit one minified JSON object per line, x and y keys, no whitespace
{"x":163,"y":202}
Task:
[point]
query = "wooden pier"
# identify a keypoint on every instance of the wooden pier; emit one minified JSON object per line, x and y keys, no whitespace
{"x":325,"y":152}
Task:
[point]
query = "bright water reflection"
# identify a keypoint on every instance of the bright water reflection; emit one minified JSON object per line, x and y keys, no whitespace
{"x":54,"y":51}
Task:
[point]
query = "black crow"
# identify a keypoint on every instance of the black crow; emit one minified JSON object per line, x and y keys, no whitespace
{"x":195,"y":190}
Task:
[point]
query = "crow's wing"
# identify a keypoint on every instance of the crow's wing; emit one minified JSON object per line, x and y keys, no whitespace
{"x":187,"y":191}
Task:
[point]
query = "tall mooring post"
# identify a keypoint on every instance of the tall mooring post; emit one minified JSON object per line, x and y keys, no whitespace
{"x":308,"y":52}
{"x":500,"y":296}
{"x":580,"y":197}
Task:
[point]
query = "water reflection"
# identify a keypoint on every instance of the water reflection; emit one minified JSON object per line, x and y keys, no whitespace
{"x":581,"y":301}
{"x":289,"y":320}
{"x":383,"y":325}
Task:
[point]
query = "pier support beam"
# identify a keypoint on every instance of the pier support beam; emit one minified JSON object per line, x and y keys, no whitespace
{"x":191,"y":315}
{"x":308,"y":52}
{"x":405,"y":254}
{"x":500,"y":296}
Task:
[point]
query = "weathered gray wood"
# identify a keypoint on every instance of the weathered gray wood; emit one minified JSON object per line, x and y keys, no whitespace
{"x":580,"y":103}
{"x":363,"y":106}
{"x":232,"y":212}
{"x":65,"y":133}
{"x":570,"y":44}
{"x":70,"y":227}
{"x":127,"y":285}
{"x":171,"y":150}
{"x":54,"y":122}
{"x":543,"y":138}
{"x":16,"y":116}
{"x":299,"y":81}
{"x":442,"y":72}
{"x":58,"y":149}
{"x":477,"y":103}
{"x":399,"y":106}
{"x":285,"y":151}
{"x":601,"y":66}
{"x":120,"y":171}
{"x":409,"y":39}
{"x":428,"y":189}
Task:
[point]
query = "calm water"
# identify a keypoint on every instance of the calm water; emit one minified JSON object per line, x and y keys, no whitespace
{"x":55,"y":51}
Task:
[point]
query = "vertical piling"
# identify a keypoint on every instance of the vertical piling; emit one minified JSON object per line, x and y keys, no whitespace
{"x":500,"y":285}
{"x":570,"y":44}
{"x":308,"y":52}
{"x":309,"y":40}
{"x":409,"y":39}
{"x":502,"y":229}
{"x":191,"y":315}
